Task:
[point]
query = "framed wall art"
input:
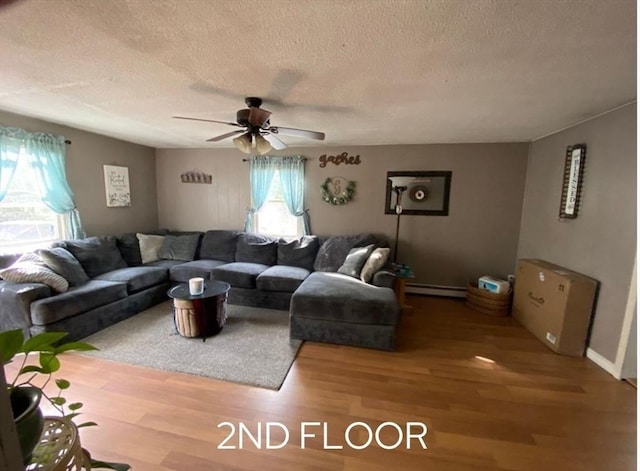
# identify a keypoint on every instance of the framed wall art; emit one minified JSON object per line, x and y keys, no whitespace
{"x":116,"y":182}
{"x":423,"y":193}
{"x":572,"y":181}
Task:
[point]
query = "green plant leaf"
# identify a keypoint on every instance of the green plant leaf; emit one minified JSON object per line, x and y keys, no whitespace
{"x":31,"y":369}
{"x":74,"y":346}
{"x":49,"y":362}
{"x":87,"y":424}
{"x":72,"y":416}
{"x":43,"y":342}
{"x":75,"y":406}
{"x":63,"y":383}
{"x":58,"y":401}
{"x":107,"y":465}
{"x":10,"y":344}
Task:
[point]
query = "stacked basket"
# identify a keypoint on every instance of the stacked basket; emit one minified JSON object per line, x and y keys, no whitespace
{"x":493,"y":304}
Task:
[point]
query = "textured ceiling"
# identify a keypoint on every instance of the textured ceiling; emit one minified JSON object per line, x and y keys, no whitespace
{"x":362,"y":71}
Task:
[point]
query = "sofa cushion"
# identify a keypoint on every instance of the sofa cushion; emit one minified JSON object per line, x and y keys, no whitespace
{"x":150,"y":245}
{"x":239,"y":274}
{"x":129,"y":248}
{"x":355,"y":260}
{"x":257,"y":248}
{"x":197,"y":268}
{"x":180,"y":247}
{"x":281,"y":278}
{"x":300,"y":252}
{"x":334,"y":250}
{"x":97,"y":255}
{"x":163,"y":263}
{"x":219,"y":245}
{"x":64,"y":264}
{"x":79,"y":299}
{"x":30,"y":268}
{"x":338,"y":297}
{"x":137,"y":278}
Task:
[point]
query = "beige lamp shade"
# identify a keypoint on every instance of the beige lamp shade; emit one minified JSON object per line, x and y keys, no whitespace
{"x":243,"y":143}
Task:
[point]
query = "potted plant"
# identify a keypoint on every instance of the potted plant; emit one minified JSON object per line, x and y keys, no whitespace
{"x":28,"y":386}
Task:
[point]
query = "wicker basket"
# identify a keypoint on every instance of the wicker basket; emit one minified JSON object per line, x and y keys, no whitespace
{"x":489,"y":303}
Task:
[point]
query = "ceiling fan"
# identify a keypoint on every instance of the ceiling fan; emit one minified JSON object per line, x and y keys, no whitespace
{"x":257,"y":134}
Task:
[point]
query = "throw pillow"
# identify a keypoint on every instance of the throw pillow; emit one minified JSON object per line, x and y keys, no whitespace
{"x":179,"y":247}
{"x":64,"y":264}
{"x":356,"y":259}
{"x":335,"y":249}
{"x":31,"y":269}
{"x":150,"y":245}
{"x":97,"y":255}
{"x":375,"y":262}
{"x":299,"y":252}
{"x":219,"y":245}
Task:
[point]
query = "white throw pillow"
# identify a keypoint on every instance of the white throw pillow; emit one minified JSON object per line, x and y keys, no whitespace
{"x":150,"y":245}
{"x":375,"y":262}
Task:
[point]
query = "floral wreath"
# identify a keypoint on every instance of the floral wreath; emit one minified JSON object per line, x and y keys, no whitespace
{"x":341,"y":199}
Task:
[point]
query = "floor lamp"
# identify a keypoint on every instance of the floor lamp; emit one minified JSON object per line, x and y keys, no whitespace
{"x":398,"y":185}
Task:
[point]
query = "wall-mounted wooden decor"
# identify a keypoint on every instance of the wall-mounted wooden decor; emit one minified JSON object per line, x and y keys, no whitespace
{"x":572,"y":181}
{"x":196,"y":176}
{"x":343,"y":158}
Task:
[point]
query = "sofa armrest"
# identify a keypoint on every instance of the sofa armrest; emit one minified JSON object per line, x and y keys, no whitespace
{"x":384,"y":278}
{"x":15,"y":304}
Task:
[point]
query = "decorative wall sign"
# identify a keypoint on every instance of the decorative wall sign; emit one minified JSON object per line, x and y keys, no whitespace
{"x":196,"y":176}
{"x":116,"y":182}
{"x":428,"y":193}
{"x":572,"y":181}
{"x":337,"y":191}
{"x":343,"y":158}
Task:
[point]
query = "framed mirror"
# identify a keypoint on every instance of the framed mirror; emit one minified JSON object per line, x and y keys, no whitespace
{"x":426,"y":193}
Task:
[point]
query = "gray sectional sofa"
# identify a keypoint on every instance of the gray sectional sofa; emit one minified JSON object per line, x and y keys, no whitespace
{"x":299,"y":275}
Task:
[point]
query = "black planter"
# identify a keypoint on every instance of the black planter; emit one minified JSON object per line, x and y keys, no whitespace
{"x":25,"y":404}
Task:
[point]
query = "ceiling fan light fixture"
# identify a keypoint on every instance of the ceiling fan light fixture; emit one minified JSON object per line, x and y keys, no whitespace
{"x":243,"y":143}
{"x":262,"y":145}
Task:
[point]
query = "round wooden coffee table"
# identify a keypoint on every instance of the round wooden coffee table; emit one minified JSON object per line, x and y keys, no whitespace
{"x":200,"y":315}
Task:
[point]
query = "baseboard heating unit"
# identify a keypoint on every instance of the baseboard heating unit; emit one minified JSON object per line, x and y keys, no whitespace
{"x":437,"y":290}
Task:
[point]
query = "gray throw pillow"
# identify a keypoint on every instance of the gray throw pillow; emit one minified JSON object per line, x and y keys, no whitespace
{"x":356,"y":259}
{"x":97,"y":255}
{"x":299,"y":252}
{"x":64,"y":264}
{"x":129,"y":248}
{"x":335,"y":249}
{"x":179,"y":247}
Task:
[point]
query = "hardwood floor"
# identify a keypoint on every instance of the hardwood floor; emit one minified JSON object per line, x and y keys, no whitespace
{"x":492,"y":396}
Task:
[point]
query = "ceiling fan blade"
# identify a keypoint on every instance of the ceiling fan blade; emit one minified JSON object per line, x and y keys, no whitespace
{"x":224,"y":136}
{"x":207,"y":120}
{"x":258,"y":116}
{"x":276,"y":143}
{"x":297,"y":132}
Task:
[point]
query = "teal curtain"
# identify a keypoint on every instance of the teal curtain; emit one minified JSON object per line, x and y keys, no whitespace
{"x":292,"y":179}
{"x":261,"y":172}
{"x":46,"y":156}
{"x":10,"y":144}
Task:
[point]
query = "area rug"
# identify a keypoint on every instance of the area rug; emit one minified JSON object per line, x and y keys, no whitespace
{"x":253,"y":347}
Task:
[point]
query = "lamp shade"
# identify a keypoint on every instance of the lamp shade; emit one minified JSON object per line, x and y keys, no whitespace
{"x":243,"y":143}
{"x":400,"y":181}
{"x":262,"y":145}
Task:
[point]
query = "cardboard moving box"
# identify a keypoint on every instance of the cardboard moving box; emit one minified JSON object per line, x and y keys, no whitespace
{"x":554,"y":304}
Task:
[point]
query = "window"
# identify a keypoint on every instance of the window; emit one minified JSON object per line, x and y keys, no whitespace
{"x":274,"y":217}
{"x":26,"y":223}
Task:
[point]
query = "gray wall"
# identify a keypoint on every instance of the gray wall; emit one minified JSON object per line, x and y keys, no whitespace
{"x":601,"y":242}
{"x":86,"y":155}
{"x":478,"y":237}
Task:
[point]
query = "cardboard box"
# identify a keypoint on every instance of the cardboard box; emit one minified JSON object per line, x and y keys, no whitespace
{"x":554,"y":304}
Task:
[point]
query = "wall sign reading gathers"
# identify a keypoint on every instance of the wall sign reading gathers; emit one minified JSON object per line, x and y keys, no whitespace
{"x":343,"y":158}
